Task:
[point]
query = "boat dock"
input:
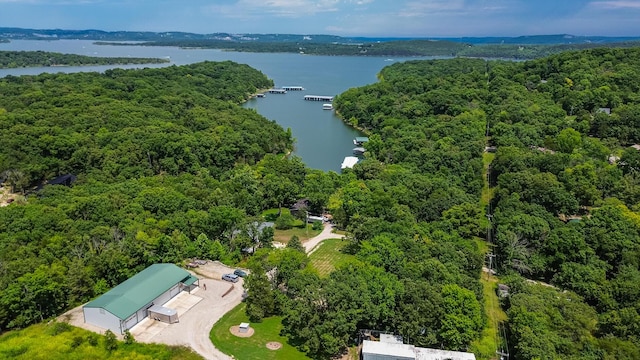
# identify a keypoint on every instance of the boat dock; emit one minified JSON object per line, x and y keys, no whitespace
{"x":318,"y":98}
{"x":359,"y":151}
{"x":327,"y":106}
{"x":293,"y":88}
{"x":277,"y":91}
{"x":358,"y":141}
{"x":349,"y":162}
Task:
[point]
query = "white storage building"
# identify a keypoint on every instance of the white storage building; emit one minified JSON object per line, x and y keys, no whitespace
{"x":127,"y":304}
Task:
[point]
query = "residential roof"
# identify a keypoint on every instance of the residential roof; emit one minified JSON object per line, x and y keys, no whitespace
{"x":389,"y":349}
{"x":139,"y":290}
{"x":392,"y":348}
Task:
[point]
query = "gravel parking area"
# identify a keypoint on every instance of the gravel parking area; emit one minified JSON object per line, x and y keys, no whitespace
{"x":197,"y":312}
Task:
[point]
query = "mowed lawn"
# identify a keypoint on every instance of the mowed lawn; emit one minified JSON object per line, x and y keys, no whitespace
{"x":253,"y":347}
{"x":303,"y":234}
{"x":328,"y":256}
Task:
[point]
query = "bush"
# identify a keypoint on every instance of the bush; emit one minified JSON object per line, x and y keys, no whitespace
{"x":77,"y":341}
{"x":128,"y":338}
{"x":284,"y":222}
{"x":59,"y":328}
{"x":110,"y":341}
{"x":92,"y":339}
{"x":317,"y":225}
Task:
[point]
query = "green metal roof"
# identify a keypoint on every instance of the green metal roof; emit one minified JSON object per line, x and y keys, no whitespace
{"x":362,"y":139}
{"x":190,"y":280}
{"x":139,"y":290}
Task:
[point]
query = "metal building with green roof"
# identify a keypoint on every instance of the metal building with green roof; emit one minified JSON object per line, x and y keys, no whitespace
{"x":127,"y":304}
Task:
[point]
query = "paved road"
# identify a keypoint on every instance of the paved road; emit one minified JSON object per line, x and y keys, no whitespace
{"x":312,"y":244}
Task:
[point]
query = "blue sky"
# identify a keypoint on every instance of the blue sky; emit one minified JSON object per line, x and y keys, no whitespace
{"x":417,"y":18}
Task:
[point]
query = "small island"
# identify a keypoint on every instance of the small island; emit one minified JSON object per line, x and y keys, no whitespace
{"x":18,"y":59}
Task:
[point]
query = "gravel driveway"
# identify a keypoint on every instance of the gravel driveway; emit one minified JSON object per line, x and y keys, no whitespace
{"x":312,"y":244}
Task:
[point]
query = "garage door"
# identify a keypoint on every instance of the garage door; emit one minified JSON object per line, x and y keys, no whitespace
{"x":130,"y":322}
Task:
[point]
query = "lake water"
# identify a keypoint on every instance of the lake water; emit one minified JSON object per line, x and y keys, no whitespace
{"x":322,"y":139}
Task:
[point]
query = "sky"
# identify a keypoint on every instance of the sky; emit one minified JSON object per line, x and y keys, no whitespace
{"x":374,"y":18}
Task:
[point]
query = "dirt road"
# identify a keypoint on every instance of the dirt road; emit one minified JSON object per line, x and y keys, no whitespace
{"x":312,"y":244}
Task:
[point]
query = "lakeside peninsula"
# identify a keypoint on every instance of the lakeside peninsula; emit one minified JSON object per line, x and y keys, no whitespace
{"x":21,"y":59}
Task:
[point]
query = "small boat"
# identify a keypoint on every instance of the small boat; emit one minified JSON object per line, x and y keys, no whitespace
{"x":327,"y":106}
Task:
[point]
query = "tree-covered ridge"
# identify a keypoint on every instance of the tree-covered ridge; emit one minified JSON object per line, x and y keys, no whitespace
{"x":387,"y":47}
{"x":549,"y":119}
{"x":18,"y":59}
{"x":129,"y":123}
{"x":163,"y":161}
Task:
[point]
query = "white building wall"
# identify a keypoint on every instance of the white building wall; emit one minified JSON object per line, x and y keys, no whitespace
{"x":107,"y":320}
{"x":102,"y":318}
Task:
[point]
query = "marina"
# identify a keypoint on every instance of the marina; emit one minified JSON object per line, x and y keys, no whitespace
{"x":318,"y":98}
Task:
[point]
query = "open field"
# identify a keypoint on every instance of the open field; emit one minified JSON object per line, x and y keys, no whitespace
{"x":62,"y":341}
{"x":253,"y":347}
{"x":328,"y":256}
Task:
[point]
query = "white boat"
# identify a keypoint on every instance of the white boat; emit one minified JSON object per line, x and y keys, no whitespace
{"x":327,"y":106}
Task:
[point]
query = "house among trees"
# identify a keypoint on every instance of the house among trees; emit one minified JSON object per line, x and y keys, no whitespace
{"x":142,"y":295}
{"x":66,"y":180}
{"x":300,"y":205}
{"x":604,"y":111}
{"x":391,"y":347}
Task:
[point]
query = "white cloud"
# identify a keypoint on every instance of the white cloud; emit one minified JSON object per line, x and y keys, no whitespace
{"x":280,"y":8}
{"x":615,"y":5}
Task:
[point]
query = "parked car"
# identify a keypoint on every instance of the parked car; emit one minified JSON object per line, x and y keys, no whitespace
{"x":230,"y":277}
{"x":240,"y":273}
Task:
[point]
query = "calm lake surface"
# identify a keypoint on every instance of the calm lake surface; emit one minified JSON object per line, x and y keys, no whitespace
{"x":322,"y":139}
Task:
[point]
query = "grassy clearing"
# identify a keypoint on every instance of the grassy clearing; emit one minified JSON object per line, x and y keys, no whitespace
{"x":303,"y":234}
{"x":487,"y":192}
{"x":485,"y":347}
{"x":283,"y":236}
{"x":63,"y":341}
{"x":328,"y":256}
{"x":253,"y":347}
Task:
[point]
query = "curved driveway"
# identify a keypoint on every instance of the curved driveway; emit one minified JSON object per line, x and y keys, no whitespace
{"x":312,"y":244}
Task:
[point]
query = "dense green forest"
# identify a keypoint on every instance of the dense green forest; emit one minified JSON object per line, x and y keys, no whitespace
{"x":405,"y":48}
{"x":554,"y":142}
{"x":17,"y":59}
{"x":170,"y":167}
{"x":165,"y":159}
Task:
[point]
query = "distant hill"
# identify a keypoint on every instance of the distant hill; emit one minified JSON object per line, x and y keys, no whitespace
{"x":519,"y":48}
{"x":91,"y":34}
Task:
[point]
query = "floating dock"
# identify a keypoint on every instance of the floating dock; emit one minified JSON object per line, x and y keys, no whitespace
{"x":277,"y":91}
{"x":293,"y":88}
{"x":360,"y":140}
{"x":359,"y":150}
{"x":349,"y":162}
{"x":318,"y":98}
